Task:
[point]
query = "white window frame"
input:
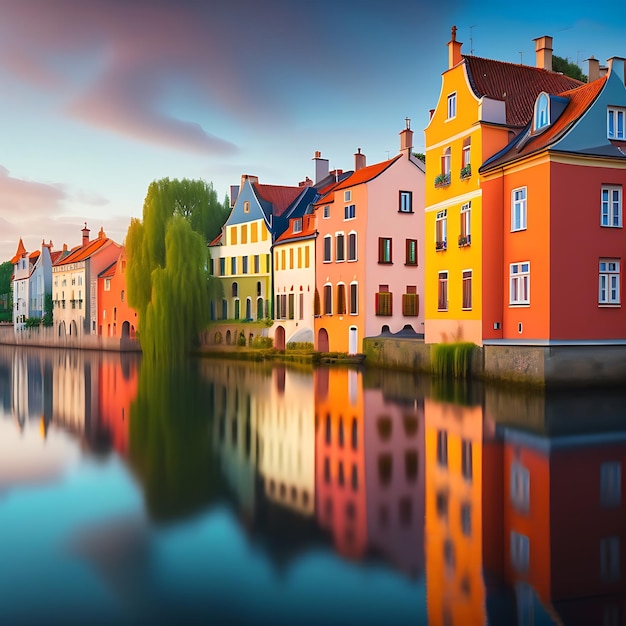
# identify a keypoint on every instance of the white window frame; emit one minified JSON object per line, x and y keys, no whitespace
{"x":347,"y":195}
{"x":340,"y":237}
{"x":519,"y":275}
{"x":352,"y":234}
{"x":328,"y":258}
{"x":107,"y":284}
{"x":609,"y":282}
{"x":541,"y":119}
{"x":466,"y":222}
{"x":616,"y":123}
{"x":467,"y":275}
{"x":442,"y":289}
{"x":354,"y":284}
{"x":326,"y":212}
{"x":442,"y":218}
{"x":519,"y":209}
{"x":297,"y":225}
{"x":451,"y":106}
{"x":611,"y":206}
{"x":349,"y":212}
{"x":406,"y":202}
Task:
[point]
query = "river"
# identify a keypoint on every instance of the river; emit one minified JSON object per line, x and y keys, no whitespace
{"x":232,"y":493}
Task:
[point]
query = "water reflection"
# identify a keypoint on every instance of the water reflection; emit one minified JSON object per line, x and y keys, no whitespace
{"x":344,"y":495}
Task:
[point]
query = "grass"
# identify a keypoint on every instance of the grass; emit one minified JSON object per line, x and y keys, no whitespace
{"x":452,"y":360}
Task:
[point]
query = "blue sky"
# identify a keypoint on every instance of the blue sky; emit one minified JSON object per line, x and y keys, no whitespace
{"x":100,"y":97}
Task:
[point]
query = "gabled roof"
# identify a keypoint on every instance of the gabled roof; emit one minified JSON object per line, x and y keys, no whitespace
{"x":279,"y":196}
{"x":217,"y":241}
{"x":308,"y":230}
{"x":326,"y":195}
{"x":365,"y":174}
{"x":81,"y":253}
{"x":20,"y":252}
{"x":57,"y":255}
{"x":109,"y":272}
{"x":517,"y":85}
{"x":580,"y":99}
{"x":33,"y":255}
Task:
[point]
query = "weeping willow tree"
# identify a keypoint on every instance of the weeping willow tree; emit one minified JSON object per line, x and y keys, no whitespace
{"x":167,"y":265}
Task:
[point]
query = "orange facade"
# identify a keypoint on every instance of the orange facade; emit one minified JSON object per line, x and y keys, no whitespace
{"x":115,"y":317}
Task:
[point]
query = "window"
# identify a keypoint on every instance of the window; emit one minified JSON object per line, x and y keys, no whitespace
{"x":301,"y":306}
{"x":465,"y":238}
{"x":383,"y":301}
{"x":467,"y":153}
{"x":257,"y":263}
{"x":233,"y":265}
{"x":384,"y":250}
{"x":107,"y":284}
{"x":520,"y":551}
{"x":354,"y":298}
{"x":234,"y":290}
{"x":349,"y":212}
{"x":410,"y":302}
{"x":246,"y":207}
{"x":121,"y":295}
{"x":233,"y":235}
{"x":542,"y":112}
{"x":609,"y":281}
{"x":520,"y":283}
{"x":518,"y":209}
{"x":244,"y":264}
{"x":297,"y":226}
{"x":327,"y":249}
{"x":441,"y":230}
{"x":520,"y":486}
{"x":611,"y":211}
{"x":452,"y":105}
{"x":411,"y":252}
{"x":328,"y":300}
{"x":442,"y":448}
{"x":347,"y":195}
{"x":341,"y":299}
{"x":352,"y":256}
{"x":406,"y":202}
{"x":466,"y":519}
{"x":467,"y":290}
{"x":615,"y":123}
{"x":466,"y":459}
{"x":281,"y":306}
{"x":442,"y":293}
{"x":292,"y":306}
{"x":254,"y":232}
{"x":445,"y":162}
{"x":222,"y":266}
{"x":326,"y":213}
{"x":340,"y":246}
{"x":611,"y":483}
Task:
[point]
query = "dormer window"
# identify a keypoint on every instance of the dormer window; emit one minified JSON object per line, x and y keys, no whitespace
{"x":616,"y":128}
{"x":297,"y":226}
{"x":542,"y":112}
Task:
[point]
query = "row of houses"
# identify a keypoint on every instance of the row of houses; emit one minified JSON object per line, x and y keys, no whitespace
{"x":511,"y":233}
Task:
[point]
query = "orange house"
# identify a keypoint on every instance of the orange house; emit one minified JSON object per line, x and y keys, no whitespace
{"x":115,"y":317}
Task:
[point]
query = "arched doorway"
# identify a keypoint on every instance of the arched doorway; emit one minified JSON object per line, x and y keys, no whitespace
{"x":248,"y":308}
{"x":62,"y":329}
{"x":279,"y":338}
{"x":73,"y":329}
{"x":353,"y":340}
{"x":125,"y":330}
{"x":259,"y":308}
{"x":322,"y":341}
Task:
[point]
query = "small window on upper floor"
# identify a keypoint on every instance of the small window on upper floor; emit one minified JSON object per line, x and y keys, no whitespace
{"x":326,"y":212}
{"x":297,"y":226}
{"x":542,"y":112}
{"x":347,"y":195}
{"x":616,"y":128}
{"x":246,"y":207}
{"x":452,"y":105}
{"x":406,"y":202}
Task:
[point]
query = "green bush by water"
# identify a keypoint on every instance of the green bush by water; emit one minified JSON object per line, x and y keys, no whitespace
{"x":452,"y":360}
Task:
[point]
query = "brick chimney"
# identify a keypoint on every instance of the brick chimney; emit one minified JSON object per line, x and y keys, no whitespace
{"x":359,"y":160}
{"x":543,"y":52}
{"x":454,"y":50}
{"x":406,"y":137}
{"x":85,"y":232}
{"x":593,"y":71}
{"x":321,"y":167}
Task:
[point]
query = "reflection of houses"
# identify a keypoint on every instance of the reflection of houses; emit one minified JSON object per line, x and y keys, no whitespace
{"x":75,"y":285}
{"x":455,"y":588}
{"x":340,"y":459}
{"x":395,"y":478}
{"x":115,"y":317}
{"x":368,"y":261}
{"x":32,"y":281}
{"x":286,"y":429}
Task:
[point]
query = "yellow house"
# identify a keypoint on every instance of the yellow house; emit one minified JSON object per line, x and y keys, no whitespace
{"x":481,"y":106}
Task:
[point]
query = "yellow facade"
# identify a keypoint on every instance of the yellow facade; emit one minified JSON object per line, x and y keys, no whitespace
{"x":454,"y":129}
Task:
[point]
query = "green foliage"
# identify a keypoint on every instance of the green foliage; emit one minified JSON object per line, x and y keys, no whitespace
{"x":5,"y":316}
{"x":452,"y":360}
{"x":421,"y":156}
{"x":47,"y":307}
{"x":302,"y":346}
{"x":168,"y":282}
{"x":559,"y":64}
{"x":32,"y":322}
{"x":262,"y":342}
{"x":6,"y":271}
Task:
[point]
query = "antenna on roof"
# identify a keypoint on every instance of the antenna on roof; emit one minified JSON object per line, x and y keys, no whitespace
{"x":471,"y":40}
{"x":521,"y":57}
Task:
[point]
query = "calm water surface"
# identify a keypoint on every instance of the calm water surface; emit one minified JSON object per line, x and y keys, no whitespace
{"x":224,"y":493}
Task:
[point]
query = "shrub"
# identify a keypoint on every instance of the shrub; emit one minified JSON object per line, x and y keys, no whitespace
{"x":262,"y":342}
{"x":452,"y":360}
{"x":33,"y":322}
{"x":300,"y":345}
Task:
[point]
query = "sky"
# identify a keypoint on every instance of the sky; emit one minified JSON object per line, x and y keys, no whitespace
{"x":98,"y":98}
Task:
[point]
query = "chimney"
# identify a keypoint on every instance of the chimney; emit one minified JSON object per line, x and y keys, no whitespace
{"x":593,"y":71}
{"x":321,"y":167}
{"x":406,"y":137}
{"x":85,"y":232}
{"x":234,"y":192}
{"x":64,"y":247}
{"x":247,"y":177}
{"x":543,"y":52}
{"x":616,"y":66}
{"x":454,"y":50}
{"x":359,"y":160}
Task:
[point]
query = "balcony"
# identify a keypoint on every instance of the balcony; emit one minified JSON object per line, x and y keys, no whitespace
{"x":466,"y":172}
{"x":441,"y":245}
{"x":442,"y":180}
{"x":465,"y":240}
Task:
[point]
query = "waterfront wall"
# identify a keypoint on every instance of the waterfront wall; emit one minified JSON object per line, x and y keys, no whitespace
{"x":48,"y":338}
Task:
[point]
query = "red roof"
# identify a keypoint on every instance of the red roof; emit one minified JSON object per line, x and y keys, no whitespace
{"x":109,"y":271}
{"x":517,"y":85}
{"x":279,"y":196}
{"x":217,"y":240}
{"x":580,"y":99}
{"x":308,"y":229}
{"x":21,"y":251}
{"x":56,"y":255}
{"x":34,"y":255}
{"x":84,"y":252}
{"x":325,"y":192}
{"x":365,"y":174}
